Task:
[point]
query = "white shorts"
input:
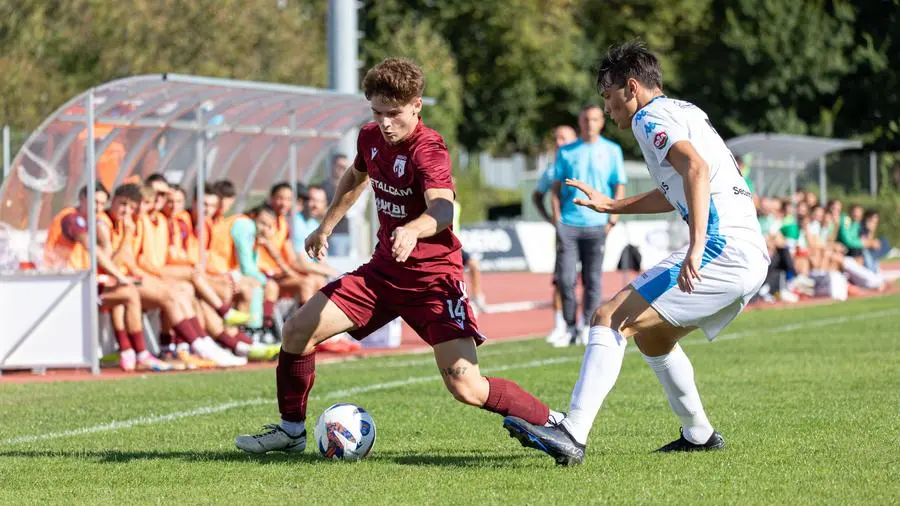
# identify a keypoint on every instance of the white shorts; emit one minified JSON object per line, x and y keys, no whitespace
{"x":732,"y":271}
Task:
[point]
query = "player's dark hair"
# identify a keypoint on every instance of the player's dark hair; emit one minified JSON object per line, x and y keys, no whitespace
{"x":82,"y":193}
{"x":869,"y":213}
{"x":277,"y":187}
{"x":224,"y":188}
{"x":631,"y":60}
{"x":129,"y":191}
{"x":156,"y":177}
{"x":178,"y":188}
{"x":588,"y":107}
{"x":207,"y":190}
{"x":262,"y":208}
{"x":396,"y":80}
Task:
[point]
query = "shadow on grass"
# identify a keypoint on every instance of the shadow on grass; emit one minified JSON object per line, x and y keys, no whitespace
{"x":309,"y":457}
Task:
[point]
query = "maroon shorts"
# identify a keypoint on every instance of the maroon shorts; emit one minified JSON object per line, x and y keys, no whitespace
{"x":438,"y":313}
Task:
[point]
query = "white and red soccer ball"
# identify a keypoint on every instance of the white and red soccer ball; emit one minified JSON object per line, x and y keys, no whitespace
{"x":345,"y":432}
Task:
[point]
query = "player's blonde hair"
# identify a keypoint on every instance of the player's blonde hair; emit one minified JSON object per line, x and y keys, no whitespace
{"x":396,"y":80}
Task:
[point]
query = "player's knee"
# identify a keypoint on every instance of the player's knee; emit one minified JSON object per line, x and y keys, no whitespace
{"x":297,"y":336}
{"x":603,"y":315}
{"x":134,"y":297}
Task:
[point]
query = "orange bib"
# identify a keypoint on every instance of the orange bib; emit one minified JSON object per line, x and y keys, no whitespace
{"x":60,"y":252}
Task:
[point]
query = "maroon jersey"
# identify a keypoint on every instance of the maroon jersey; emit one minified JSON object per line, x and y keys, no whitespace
{"x":399,"y":175}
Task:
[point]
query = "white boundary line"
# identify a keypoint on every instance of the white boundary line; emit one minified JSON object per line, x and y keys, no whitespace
{"x":208,"y":410}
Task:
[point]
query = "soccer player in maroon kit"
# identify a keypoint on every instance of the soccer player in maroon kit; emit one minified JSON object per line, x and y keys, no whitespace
{"x":416,"y":271}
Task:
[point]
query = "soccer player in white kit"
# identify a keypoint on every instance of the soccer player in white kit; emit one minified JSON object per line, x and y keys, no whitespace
{"x":703,"y":285}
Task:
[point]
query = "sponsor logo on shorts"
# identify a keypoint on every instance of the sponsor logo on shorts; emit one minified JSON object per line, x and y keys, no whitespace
{"x":660,"y":140}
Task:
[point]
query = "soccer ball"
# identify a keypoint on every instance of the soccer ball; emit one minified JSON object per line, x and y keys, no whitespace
{"x":345,"y":432}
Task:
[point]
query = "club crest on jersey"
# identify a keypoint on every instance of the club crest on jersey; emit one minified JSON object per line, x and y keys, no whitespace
{"x":660,"y":140}
{"x":400,"y":166}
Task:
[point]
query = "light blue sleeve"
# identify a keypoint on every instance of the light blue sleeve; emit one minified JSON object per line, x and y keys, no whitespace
{"x":546,"y":180}
{"x":617,"y":174}
{"x":244,"y":234}
{"x":298,"y":236}
{"x":559,"y":167}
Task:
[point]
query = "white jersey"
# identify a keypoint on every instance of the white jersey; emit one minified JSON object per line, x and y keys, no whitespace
{"x":665,"y":121}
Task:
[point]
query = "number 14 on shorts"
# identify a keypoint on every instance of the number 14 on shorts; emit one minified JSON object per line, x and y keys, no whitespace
{"x":457,"y":310}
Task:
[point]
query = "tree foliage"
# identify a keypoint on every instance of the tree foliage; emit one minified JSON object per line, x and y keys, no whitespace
{"x":504,"y":73}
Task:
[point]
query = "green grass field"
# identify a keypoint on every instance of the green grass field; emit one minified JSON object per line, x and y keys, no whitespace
{"x":807,"y":399}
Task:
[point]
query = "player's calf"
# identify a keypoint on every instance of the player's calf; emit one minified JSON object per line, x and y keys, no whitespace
{"x":465,"y":386}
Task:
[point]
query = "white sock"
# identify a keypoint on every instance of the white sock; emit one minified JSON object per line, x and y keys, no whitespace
{"x":144,"y":355}
{"x":183,"y":347}
{"x":129,"y":354}
{"x":242,"y":349}
{"x":599,"y":371}
{"x":676,"y":374}
{"x":558,"y":321}
{"x":554,"y":418}
{"x":293,"y":428}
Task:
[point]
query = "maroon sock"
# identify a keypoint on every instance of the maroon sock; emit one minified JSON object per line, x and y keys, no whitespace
{"x":185,"y":330}
{"x":137,"y":339}
{"x":229,"y":342}
{"x":294,"y":377}
{"x":509,"y":399}
{"x":268,"y":312}
{"x":244,"y":338}
{"x":198,"y":329}
{"x":223,"y":310}
{"x":178,"y":339}
{"x":122,"y":339}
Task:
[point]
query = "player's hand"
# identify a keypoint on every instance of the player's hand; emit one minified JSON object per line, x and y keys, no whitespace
{"x":595,"y":200}
{"x":404,"y":242}
{"x":690,"y":269}
{"x":316,"y":244}
{"x":265,"y":243}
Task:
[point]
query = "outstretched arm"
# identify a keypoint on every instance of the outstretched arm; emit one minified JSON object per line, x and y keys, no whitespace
{"x":651,"y":202}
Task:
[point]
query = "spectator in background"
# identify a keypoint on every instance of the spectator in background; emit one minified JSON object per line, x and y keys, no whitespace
{"x":849,"y":232}
{"x":339,"y":241}
{"x":811,"y":200}
{"x":312,"y":203}
{"x":562,"y":136}
{"x":581,"y":232}
{"x":771,"y":219}
{"x":874,"y":247}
